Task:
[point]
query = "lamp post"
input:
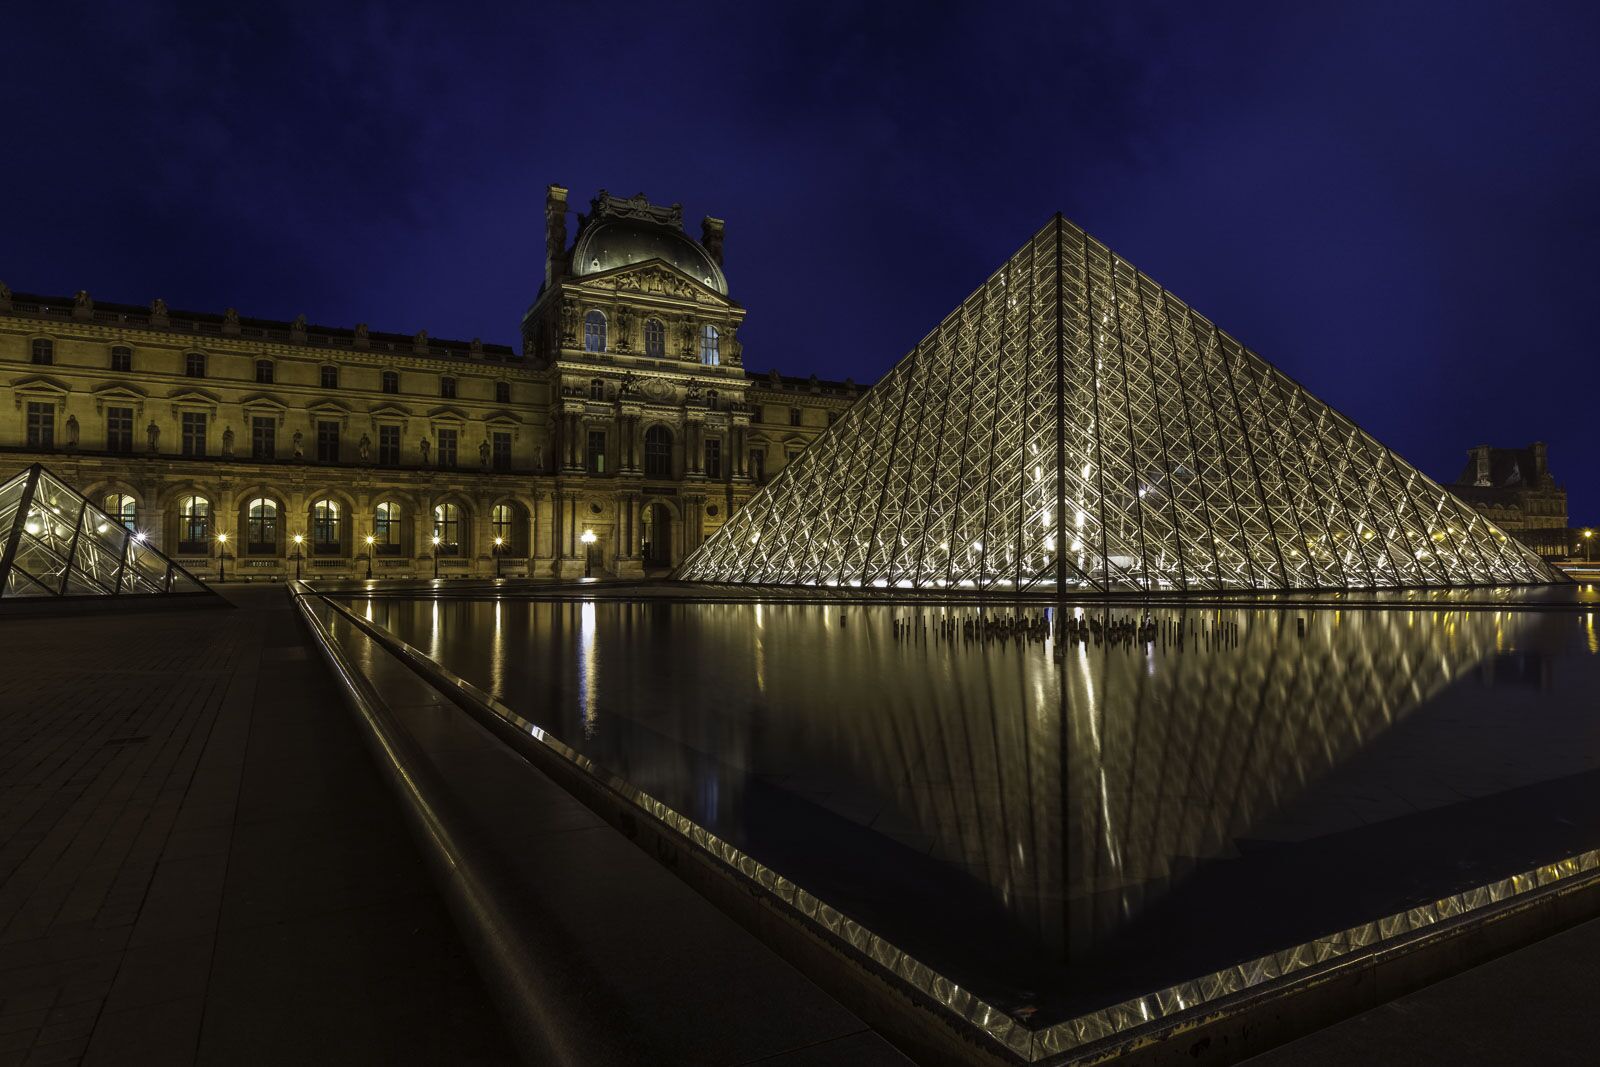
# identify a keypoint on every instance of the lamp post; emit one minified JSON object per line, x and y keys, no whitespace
{"x":499,"y":543}
{"x":370,"y":542}
{"x":299,"y":553}
{"x":436,"y":557}
{"x":1588,"y":539}
{"x":588,"y":540}
{"x":222,"y":557}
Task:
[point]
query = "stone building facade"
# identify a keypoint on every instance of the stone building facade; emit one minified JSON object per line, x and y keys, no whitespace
{"x":1513,"y":488}
{"x":622,"y":431}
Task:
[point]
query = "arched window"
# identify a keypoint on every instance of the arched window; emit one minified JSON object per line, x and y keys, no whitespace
{"x":386,"y":529}
{"x":330,"y":377}
{"x":261,"y":527}
{"x":120,"y":506}
{"x":194,"y":523}
{"x":655,"y":338}
{"x":658,"y":452}
{"x":708,"y":345}
{"x":194,"y":365}
{"x":504,"y":529}
{"x":391,"y":382}
{"x":447,"y":529}
{"x":326,"y":528}
{"x":44,"y":352}
{"x":594,"y":332}
{"x":121,"y":359}
{"x":597,"y":390}
{"x":263,"y":372}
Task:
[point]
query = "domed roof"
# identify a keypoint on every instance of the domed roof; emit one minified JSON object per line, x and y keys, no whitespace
{"x":609,"y":243}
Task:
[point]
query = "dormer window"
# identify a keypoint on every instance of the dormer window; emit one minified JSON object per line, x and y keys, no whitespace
{"x":594,"y":332}
{"x":708,"y":345}
{"x":655,"y":338}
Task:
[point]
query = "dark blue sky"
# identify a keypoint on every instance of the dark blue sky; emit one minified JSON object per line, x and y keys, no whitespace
{"x":1396,"y":203}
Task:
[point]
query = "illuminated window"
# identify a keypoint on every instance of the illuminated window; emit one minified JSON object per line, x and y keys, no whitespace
{"x":261,"y":527}
{"x":658,"y":452}
{"x":594,"y":332}
{"x":504,"y":527}
{"x":194,"y":524}
{"x":386,"y":529}
{"x":655,"y":338}
{"x":326,"y":528}
{"x":44,"y":352}
{"x":447,"y":529}
{"x":120,"y":506}
{"x":708,"y":345}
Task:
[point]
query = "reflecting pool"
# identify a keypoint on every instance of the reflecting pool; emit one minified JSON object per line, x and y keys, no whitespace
{"x":1059,"y":828}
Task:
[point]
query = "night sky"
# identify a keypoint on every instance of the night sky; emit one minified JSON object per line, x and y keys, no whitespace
{"x":1398,"y":204}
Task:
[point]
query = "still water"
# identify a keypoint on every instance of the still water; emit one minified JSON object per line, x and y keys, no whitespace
{"x":1059,"y":829}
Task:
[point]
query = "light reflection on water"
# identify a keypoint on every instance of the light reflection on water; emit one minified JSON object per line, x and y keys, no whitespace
{"x":1042,"y":804}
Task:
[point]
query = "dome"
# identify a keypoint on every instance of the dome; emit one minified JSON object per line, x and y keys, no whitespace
{"x":611,"y":243}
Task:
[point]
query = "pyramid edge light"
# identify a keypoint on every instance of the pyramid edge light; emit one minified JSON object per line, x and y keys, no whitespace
{"x":1073,"y":427}
{"x":55,"y":543}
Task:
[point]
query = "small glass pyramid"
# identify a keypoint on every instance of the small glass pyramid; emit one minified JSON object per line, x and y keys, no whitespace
{"x":55,"y":543}
{"x":1074,"y":427}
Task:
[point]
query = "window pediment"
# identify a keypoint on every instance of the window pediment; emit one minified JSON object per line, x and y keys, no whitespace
{"x":41,"y":389}
{"x":193,"y":400}
{"x":119,"y":394}
{"x":447,"y":416}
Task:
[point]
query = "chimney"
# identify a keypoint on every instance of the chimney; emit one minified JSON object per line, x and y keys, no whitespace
{"x":555,"y":234}
{"x":711,"y":237}
{"x":1481,"y":454}
{"x":1541,"y":461}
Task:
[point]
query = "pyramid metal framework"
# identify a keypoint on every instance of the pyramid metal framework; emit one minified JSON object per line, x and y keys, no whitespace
{"x":54,"y":542}
{"x":1073,"y":426}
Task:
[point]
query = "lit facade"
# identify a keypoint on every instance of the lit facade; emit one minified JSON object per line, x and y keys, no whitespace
{"x":1072,"y":426}
{"x":1514,"y":489}
{"x":288,"y":447}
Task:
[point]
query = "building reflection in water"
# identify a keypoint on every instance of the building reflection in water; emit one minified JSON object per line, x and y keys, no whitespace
{"x":1073,"y":792}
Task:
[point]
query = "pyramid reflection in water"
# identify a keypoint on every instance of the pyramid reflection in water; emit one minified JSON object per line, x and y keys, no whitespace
{"x":1073,"y":426}
{"x":55,"y":543}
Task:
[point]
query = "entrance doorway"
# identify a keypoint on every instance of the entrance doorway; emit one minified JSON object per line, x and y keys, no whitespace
{"x":657,"y":536}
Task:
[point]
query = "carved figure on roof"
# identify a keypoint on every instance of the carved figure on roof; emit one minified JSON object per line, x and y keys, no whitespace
{"x":361,"y":331}
{"x":299,"y":323}
{"x":774,"y":378}
{"x":158,"y":309}
{"x":82,"y":301}
{"x":231,"y":317}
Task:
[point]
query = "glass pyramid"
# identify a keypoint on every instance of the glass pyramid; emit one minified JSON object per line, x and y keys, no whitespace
{"x":1073,"y":426}
{"x":53,"y":542}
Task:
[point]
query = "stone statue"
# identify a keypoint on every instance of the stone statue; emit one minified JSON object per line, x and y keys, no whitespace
{"x":625,"y":387}
{"x":299,"y":445}
{"x":569,"y":322}
{"x":227,"y":441}
{"x":230,"y":317}
{"x":686,"y":332}
{"x":538,"y":457}
{"x":483,"y":454}
{"x":365,"y":447}
{"x":421,"y":339}
{"x":72,"y":431}
{"x":153,"y":433}
{"x":158,"y":311}
{"x":361,"y":331}
{"x":477,"y":346}
{"x":297,"y":328}
{"x":624,"y":327}
{"x":82,"y":301}
{"x":774,"y":379}
{"x":424,"y":446}
{"x":5,"y":295}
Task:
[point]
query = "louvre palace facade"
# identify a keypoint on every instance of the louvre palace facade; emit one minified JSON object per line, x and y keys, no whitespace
{"x":622,"y":431}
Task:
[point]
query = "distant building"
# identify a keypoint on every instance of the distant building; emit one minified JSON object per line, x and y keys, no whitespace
{"x":626,"y":413}
{"x":1513,"y":488}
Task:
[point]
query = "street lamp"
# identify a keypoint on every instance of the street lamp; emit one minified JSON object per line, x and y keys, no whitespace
{"x":370,"y":542}
{"x":588,"y":540}
{"x":299,"y":552}
{"x":499,"y":543}
{"x":435,"y":556}
{"x":1588,"y":539}
{"x":222,"y":557}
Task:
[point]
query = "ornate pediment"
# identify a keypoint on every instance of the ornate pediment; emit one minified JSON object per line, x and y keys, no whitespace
{"x":656,"y":277}
{"x":119,"y":393}
{"x":40,"y":389}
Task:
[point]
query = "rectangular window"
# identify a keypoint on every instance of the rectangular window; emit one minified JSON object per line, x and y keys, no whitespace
{"x":597,"y":451}
{"x":264,"y":372}
{"x":122,"y":359}
{"x":327,"y":441}
{"x":794,"y":416}
{"x":447,"y":448}
{"x":758,"y":466}
{"x":500,"y":443}
{"x":263,"y":437}
{"x":44,"y":352}
{"x":194,"y":433}
{"x":194,"y":364}
{"x":119,"y":429}
{"x":41,"y":425}
{"x":389,"y":446}
{"x":447,"y":388}
{"x":713,"y":457}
